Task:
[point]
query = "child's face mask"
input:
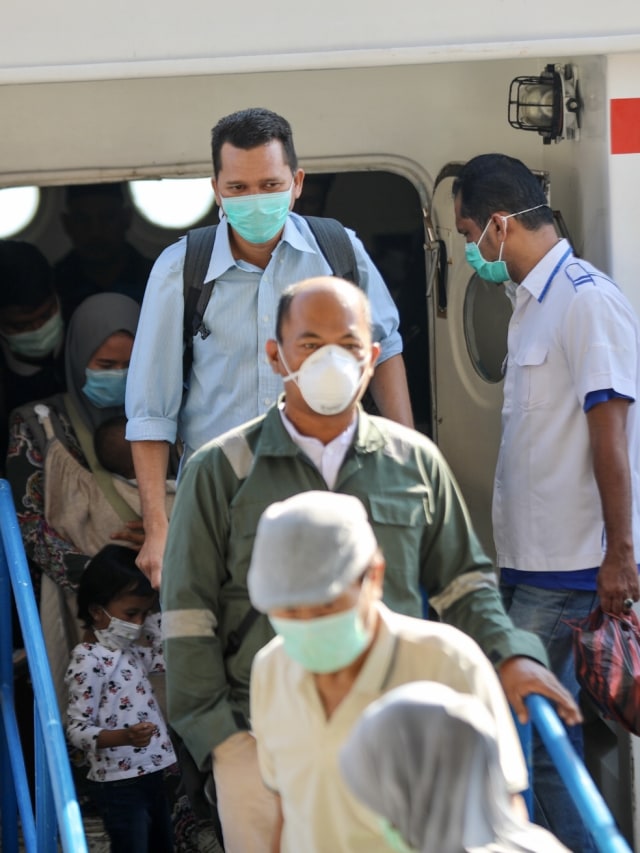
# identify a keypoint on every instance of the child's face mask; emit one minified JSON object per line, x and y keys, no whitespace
{"x":118,"y":634}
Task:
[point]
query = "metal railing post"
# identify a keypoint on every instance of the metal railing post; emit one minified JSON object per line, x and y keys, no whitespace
{"x":592,"y":808}
{"x":52,"y":760}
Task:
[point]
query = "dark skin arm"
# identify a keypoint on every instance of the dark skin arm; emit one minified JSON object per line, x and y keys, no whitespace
{"x":151,"y":459}
{"x":389,"y":389}
{"x":521,"y":676}
{"x":618,"y":575}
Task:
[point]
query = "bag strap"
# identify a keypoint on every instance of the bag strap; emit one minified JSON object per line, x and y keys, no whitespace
{"x":102,"y":476}
{"x":335,"y":245}
{"x":197,"y":292}
{"x":235,"y":638}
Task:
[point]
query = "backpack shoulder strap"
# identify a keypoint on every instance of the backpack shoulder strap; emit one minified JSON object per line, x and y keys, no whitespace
{"x":197,"y":292}
{"x":336,"y":246}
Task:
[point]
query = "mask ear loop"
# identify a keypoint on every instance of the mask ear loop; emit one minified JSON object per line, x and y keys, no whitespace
{"x":486,"y":228}
{"x":506,"y":228}
{"x":290,"y":375}
{"x":504,"y":219}
{"x":365,"y":366}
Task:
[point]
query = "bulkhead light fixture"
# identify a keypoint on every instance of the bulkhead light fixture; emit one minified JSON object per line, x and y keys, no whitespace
{"x":549,"y":104}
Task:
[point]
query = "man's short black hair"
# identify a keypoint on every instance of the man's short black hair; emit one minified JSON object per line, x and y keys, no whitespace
{"x":492,"y":182}
{"x":250,"y":128}
{"x":25,"y":276}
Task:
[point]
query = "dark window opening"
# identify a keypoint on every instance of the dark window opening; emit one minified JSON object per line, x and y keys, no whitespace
{"x":385,"y":212}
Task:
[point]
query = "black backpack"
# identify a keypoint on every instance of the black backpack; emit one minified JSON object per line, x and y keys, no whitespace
{"x":330,"y":235}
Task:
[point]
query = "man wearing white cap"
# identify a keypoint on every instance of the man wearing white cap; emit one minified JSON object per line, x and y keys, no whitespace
{"x":317,"y":572}
{"x":317,"y":438}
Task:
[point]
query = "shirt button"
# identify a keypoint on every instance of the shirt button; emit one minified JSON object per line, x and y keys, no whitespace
{"x":267,"y":401}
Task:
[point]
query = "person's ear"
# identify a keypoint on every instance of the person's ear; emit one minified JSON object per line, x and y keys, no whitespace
{"x":98,"y":617}
{"x":376,"y":349}
{"x":298,"y":180}
{"x":215,"y":192}
{"x":375,"y":574}
{"x":273,"y":354}
{"x":499,"y":224}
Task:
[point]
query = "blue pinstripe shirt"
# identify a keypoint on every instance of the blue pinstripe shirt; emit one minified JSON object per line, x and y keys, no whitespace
{"x":231,"y":380}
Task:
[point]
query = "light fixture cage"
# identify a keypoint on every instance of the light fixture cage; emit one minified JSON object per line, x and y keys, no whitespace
{"x":548,"y":104}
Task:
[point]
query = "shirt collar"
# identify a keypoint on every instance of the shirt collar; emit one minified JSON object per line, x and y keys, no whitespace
{"x":538,"y":278}
{"x":296,"y":233}
{"x":222,"y":258}
{"x":345,"y":437}
{"x":274,"y":439}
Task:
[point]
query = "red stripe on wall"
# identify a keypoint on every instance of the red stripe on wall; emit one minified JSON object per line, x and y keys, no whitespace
{"x":625,"y":125}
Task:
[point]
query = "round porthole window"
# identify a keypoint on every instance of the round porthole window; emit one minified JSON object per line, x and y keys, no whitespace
{"x":18,"y":207}
{"x":487,"y":311}
{"x":173,"y":202}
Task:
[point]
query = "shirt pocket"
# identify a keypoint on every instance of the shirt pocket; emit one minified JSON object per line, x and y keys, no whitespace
{"x":532,"y":384}
{"x":399,"y":525}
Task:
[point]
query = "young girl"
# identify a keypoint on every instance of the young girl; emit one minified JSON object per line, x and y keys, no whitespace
{"x":112,"y":713}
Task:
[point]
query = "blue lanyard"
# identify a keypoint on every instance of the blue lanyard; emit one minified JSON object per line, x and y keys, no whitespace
{"x":553,"y":274}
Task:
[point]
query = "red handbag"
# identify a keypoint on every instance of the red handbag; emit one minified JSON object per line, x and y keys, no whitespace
{"x":607,"y":655}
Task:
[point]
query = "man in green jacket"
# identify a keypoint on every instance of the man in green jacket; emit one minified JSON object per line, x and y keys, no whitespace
{"x":317,"y":437}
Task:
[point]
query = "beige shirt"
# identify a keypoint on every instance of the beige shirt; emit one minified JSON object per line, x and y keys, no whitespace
{"x":298,"y":747}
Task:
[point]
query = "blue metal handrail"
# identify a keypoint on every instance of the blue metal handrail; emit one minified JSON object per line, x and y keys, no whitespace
{"x":589,"y":802}
{"x":57,"y":810}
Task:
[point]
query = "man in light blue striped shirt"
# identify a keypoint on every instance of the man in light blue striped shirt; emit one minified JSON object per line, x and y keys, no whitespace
{"x":260,"y":248}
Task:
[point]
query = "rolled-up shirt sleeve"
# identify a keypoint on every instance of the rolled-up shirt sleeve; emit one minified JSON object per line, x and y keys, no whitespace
{"x":155,"y":382}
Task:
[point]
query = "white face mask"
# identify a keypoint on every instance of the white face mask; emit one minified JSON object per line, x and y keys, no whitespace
{"x":118,"y":634}
{"x":329,"y":380}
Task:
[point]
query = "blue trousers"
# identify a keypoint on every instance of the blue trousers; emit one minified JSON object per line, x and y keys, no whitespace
{"x":543,"y":612}
{"x":135,"y":813}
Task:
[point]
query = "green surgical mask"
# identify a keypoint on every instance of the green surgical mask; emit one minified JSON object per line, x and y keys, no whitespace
{"x":37,"y":343}
{"x":393,"y":838}
{"x":325,"y":644}
{"x":257,"y":218}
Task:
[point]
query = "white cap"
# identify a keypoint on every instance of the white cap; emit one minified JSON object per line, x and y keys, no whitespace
{"x":308,"y":550}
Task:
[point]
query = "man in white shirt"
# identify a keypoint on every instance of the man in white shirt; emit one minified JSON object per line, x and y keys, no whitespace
{"x":565,"y":508}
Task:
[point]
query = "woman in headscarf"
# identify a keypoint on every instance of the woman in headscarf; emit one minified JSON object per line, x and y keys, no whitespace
{"x":98,"y":350}
{"x":424,"y":758}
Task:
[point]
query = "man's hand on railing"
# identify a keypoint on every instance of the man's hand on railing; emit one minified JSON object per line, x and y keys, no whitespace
{"x":521,"y":676}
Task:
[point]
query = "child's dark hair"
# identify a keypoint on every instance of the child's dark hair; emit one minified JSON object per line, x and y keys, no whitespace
{"x":112,"y":572}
